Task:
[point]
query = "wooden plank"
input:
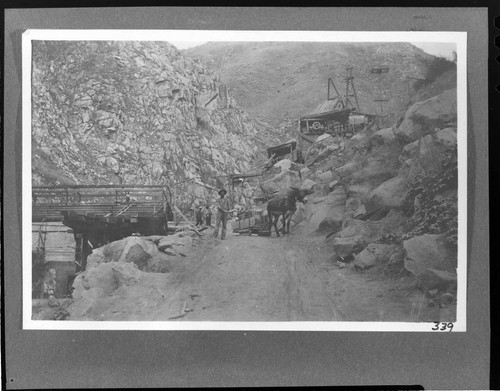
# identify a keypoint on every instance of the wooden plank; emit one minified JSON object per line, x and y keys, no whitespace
{"x":186,"y":219}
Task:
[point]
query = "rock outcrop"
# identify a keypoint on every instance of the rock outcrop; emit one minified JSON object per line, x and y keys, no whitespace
{"x":429,"y":252}
{"x":136,"y":113}
{"x":389,"y":196}
{"x":114,"y":269}
{"x":424,"y":117}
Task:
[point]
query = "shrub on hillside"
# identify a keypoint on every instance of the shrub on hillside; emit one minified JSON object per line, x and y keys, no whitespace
{"x":436,"y":67}
{"x":435,"y":212}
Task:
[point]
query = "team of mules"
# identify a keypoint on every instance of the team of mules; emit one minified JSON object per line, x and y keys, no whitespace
{"x":284,"y":205}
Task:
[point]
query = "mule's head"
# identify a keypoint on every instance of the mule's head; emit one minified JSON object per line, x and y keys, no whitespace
{"x":299,"y":194}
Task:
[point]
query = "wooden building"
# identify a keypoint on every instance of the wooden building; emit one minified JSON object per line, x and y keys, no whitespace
{"x":278,"y":152}
{"x":54,"y":269}
{"x":324,"y":119}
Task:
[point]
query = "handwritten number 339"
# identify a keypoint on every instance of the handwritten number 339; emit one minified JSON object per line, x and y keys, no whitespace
{"x":442,"y":326}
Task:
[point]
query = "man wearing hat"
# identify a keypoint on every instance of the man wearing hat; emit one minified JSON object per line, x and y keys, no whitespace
{"x":222,"y":214}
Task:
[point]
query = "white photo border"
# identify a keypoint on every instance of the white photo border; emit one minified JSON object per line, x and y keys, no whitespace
{"x":457,"y":37}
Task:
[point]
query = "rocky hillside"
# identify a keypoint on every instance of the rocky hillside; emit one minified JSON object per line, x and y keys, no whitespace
{"x":387,"y":198}
{"x":136,"y":113}
{"x":280,"y":81}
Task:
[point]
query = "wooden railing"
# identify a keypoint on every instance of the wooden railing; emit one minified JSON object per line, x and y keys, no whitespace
{"x":49,"y":202}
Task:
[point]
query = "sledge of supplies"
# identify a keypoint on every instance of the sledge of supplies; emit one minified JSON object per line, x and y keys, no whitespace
{"x":252,"y":222}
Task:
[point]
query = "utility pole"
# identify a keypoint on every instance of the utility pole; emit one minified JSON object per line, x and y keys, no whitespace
{"x":381,"y":101}
{"x":350,"y":90}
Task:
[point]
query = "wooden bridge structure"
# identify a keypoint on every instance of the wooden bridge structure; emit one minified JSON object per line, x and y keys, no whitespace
{"x":98,"y":215}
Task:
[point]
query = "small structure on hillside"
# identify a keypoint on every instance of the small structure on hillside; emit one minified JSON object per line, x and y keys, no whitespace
{"x":278,"y":152}
{"x":339,"y":115}
{"x":380,"y":69}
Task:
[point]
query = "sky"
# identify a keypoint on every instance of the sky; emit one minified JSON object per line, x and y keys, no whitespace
{"x":435,"y":48}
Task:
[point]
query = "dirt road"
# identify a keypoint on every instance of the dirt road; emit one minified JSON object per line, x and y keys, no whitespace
{"x":244,"y":278}
{"x":254,"y":279}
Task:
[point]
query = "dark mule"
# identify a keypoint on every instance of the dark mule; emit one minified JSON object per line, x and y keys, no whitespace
{"x":283,"y":205}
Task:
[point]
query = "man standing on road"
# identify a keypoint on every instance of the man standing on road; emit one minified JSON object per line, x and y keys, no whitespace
{"x":222,"y":214}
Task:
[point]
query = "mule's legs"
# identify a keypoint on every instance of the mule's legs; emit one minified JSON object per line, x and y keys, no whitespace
{"x":284,"y":223}
{"x":270,"y":218}
{"x":275,"y":222}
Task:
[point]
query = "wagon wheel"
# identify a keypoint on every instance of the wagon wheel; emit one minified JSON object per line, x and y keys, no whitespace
{"x":316,"y":125}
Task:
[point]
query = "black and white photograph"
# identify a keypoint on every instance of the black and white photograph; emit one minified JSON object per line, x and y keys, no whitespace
{"x":244,"y":180}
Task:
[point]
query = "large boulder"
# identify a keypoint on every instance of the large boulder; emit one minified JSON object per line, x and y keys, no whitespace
{"x":125,"y":274}
{"x":137,"y":251}
{"x":353,"y":203}
{"x":364,"y":260}
{"x":374,"y":253}
{"x":423,"y":117}
{"x":359,"y":143}
{"x":426,"y":152}
{"x":307,"y":185}
{"x":390,"y":194}
{"x":85,"y":303}
{"x":305,"y":172}
{"x":328,"y":213}
{"x":346,"y":246}
{"x":323,"y":147}
{"x":441,"y":280}
{"x":165,"y":262}
{"x":133,"y":249}
{"x":347,"y":169}
{"x":106,"y":277}
{"x":328,"y":152}
{"x":285,"y":165}
{"x":174,"y":241}
{"x":280,"y":182}
{"x":393,"y":222}
{"x":383,"y":136}
{"x":382,"y":251}
{"x":354,"y":207}
{"x":360,"y":190}
{"x":143,"y":252}
{"x":429,"y":251}
{"x":98,"y":277}
{"x":436,"y":142}
{"x":370,"y":230}
{"x":96,"y":258}
{"x":333,"y":184}
{"x":154,"y":238}
{"x":447,"y":137}
{"x":378,"y":166}
{"x":99,"y":282}
{"x":299,"y":214}
{"x":327,"y":176}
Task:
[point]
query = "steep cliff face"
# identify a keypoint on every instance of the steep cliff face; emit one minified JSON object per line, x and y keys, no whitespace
{"x":135,"y":113}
